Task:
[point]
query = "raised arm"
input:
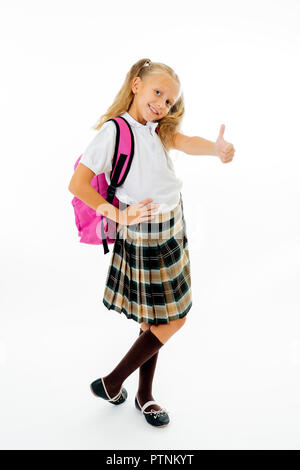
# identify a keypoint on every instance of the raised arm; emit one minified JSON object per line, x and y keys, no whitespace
{"x":194,"y":145}
{"x":199,"y":146}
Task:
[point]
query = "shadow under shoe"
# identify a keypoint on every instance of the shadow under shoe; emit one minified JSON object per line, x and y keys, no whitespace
{"x":99,"y":390}
{"x":157,"y":418}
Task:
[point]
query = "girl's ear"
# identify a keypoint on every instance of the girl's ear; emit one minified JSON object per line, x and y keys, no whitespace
{"x":135,"y":84}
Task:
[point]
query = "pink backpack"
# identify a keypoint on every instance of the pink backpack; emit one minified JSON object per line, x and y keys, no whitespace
{"x":91,"y":227}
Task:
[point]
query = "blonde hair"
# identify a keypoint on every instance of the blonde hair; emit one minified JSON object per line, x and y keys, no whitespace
{"x":170,"y":124}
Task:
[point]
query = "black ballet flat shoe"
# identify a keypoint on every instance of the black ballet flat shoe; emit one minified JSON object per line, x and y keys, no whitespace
{"x":157,"y":418}
{"x":98,"y":388}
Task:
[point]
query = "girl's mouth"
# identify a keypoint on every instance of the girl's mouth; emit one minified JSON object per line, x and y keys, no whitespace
{"x":152,"y":110}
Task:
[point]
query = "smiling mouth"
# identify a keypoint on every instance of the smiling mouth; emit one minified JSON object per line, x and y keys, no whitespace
{"x":152,"y":110}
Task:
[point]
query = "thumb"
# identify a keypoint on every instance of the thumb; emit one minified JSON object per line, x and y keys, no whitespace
{"x":221,"y":132}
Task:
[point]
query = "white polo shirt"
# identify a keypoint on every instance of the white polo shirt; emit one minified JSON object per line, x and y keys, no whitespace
{"x":151,"y":174}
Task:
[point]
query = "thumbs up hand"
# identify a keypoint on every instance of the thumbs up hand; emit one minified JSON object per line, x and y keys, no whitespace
{"x":224,"y":150}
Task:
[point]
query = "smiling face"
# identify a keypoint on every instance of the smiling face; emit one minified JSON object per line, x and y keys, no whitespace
{"x":154,"y":97}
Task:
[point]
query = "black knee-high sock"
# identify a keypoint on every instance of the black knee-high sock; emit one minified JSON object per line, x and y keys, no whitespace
{"x":142,"y":349}
{"x":146,"y":374}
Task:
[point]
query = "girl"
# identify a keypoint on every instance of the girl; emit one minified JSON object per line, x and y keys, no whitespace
{"x":149,"y":278}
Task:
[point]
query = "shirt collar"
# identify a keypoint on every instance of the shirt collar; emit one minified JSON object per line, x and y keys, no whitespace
{"x":151,"y":125}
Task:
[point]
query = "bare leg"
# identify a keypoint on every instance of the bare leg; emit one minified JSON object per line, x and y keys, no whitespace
{"x":164,"y":331}
{"x":145,"y":326}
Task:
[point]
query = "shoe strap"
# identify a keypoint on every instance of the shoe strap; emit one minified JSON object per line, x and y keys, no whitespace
{"x":151,"y":402}
{"x":115,"y":398}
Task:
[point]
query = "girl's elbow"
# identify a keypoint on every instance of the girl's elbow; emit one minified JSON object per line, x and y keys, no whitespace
{"x":72,"y":187}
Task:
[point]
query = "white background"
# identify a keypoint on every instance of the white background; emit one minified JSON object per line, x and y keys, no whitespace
{"x":230,"y":376}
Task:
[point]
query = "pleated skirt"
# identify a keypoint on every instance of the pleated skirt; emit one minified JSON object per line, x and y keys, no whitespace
{"x":149,"y":276}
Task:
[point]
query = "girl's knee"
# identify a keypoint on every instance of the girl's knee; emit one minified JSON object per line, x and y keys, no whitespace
{"x":165,"y":331}
{"x":181,"y":321}
{"x":168,"y":328}
{"x":145,"y":326}
{"x":174,"y":325}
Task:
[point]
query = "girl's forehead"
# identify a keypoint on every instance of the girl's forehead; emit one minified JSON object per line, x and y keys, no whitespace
{"x":168,"y":83}
{"x":161,"y":79}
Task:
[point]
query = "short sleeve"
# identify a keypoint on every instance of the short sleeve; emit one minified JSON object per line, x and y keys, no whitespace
{"x":99,"y":153}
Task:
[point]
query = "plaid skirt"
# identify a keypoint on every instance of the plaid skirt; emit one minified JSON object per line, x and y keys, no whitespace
{"x":149,"y":277}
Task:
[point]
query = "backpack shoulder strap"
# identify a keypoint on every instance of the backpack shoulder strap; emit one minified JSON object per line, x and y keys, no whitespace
{"x":122,"y":159}
{"x":123,"y":155}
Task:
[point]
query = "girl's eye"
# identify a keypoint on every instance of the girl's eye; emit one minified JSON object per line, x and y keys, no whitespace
{"x":167,"y":100}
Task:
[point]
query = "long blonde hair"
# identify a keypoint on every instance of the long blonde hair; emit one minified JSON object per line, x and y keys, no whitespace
{"x":170,"y":124}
